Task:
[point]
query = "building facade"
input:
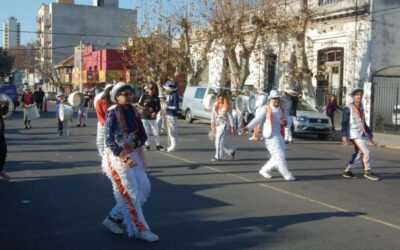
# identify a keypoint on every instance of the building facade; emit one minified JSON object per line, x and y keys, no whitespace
{"x":11,"y":33}
{"x":63,"y":25}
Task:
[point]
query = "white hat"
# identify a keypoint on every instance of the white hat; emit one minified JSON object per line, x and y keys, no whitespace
{"x":117,"y":88}
{"x":170,"y":86}
{"x":102,"y":94}
{"x":59,"y":94}
{"x":356,"y":90}
{"x":274,"y":94}
{"x":110,"y":85}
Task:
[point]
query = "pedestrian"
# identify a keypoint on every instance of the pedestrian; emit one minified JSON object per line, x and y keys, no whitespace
{"x":356,"y":130}
{"x":236,"y":114}
{"x":63,"y":126}
{"x":123,"y":162}
{"x":172,"y":114}
{"x":26,"y":102}
{"x":221,"y":123}
{"x":3,"y":144}
{"x":162,"y":115}
{"x":102,"y":106}
{"x":83,"y":111}
{"x":330,"y":108}
{"x":261,"y":101}
{"x":290,"y":100}
{"x":273,"y":132}
{"x":38,"y":96}
{"x":149,"y":105}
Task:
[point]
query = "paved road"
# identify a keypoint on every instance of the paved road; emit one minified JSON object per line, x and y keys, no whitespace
{"x":58,"y":197}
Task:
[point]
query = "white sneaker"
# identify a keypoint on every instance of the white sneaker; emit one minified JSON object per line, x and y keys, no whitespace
{"x":265,"y":174}
{"x":253,"y":139}
{"x":148,"y":236}
{"x":169,"y":149}
{"x":290,"y":178}
{"x":112,"y":226}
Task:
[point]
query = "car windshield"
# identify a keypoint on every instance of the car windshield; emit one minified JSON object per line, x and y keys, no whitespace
{"x":305,"y":106}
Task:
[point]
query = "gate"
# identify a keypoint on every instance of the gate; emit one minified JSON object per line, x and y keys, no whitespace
{"x":386,"y":102}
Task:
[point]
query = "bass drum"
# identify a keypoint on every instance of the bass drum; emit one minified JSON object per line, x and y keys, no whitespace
{"x":209,"y":101}
{"x":251,"y":104}
{"x":11,"y":107}
{"x":65,"y":113}
{"x":241,"y":103}
{"x":76,"y":99}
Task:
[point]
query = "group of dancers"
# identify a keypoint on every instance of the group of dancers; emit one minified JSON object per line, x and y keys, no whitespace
{"x":122,"y":138}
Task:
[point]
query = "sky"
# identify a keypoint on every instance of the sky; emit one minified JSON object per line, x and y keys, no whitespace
{"x":26,"y":10}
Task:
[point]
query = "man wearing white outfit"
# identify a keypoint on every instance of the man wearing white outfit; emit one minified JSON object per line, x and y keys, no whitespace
{"x":289,"y":102}
{"x":237,"y":116}
{"x":273,"y":132}
{"x":172,"y":114}
{"x":356,"y":130}
{"x":149,"y":105}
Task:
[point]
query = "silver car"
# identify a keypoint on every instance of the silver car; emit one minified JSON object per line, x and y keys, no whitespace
{"x":309,"y":121}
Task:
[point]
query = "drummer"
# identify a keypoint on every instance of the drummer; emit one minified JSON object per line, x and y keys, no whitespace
{"x":26,"y":102}
{"x":61,"y":124}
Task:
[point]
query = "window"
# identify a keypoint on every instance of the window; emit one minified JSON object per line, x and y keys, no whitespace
{"x":327,"y":2}
{"x":200,"y":93}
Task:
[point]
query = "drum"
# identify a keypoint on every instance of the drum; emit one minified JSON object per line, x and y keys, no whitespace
{"x":240,"y":103}
{"x":76,"y":99}
{"x":65,"y":113}
{"x":209,"y":101}
{"x":32,"y":112}
{"x":251,"y":104}
{"x":6,"y":98}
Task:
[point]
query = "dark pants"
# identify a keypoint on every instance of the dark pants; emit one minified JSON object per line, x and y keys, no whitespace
{"x":3,"y":151}
{"x":60,"y":125}
{"x":40,"y":106}
{"x":331,"y":115}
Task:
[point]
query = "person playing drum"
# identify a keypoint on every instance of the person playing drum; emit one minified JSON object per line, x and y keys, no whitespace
{"x":62,"y":125}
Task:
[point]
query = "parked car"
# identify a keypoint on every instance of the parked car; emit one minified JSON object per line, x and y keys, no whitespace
{"x":11,"y":91}
{"x":309,"y":121}
{"x":193,"y":103}
{"x":51,"y":96}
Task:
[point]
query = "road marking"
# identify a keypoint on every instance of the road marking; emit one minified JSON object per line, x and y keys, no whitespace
{"x":321,"y":203}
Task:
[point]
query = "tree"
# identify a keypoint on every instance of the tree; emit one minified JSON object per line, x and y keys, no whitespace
{"x":6,"y":62}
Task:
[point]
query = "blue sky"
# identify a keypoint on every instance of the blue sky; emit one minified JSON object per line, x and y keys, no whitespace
{"x":25,"y":11}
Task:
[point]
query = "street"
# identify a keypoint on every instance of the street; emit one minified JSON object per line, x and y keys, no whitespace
{"x":58,"y":197}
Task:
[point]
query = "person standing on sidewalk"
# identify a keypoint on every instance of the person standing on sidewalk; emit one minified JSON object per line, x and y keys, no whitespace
{"x":356,"y":130}
{"x":27,"y":101}
{"x":172,"y":114}
{"x":273,"y":132}
{"x":149,"y":104}
{"x":3,"y":145}
{"x":221,"y":123}
{"x":124,"y":163}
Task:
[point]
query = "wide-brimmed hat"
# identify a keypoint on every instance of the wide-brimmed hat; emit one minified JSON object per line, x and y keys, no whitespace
{"x":356,"y":90}
{"x":170,"y":86}
{"x":274,"y":94}
{"x":59,"y":94}
{"x":117,"y":88}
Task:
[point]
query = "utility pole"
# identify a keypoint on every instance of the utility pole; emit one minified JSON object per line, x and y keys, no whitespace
{"x":80,"y":66}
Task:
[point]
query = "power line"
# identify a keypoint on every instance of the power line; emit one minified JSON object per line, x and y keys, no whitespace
{"x":66,"y":34}
{"x":44,"y":48}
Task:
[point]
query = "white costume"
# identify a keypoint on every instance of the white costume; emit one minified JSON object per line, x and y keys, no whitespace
{"x":274,"y":142}
{"x":222,"y":120}
{"x":172,"y":101}
{"x":287,"y":106}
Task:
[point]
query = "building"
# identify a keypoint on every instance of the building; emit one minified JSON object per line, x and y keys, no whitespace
{"x":64,"y":70}
{"x":11,"y":33}
{"x":63,"y":24}
{"x":98,"y":66}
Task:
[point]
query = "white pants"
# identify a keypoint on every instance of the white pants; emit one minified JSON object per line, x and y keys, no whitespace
{"x":82,"y":116}
{"x":100,"y":139}
{"x":237,"y":121}
{"x":361,"y":154}
{"x":161,"y":122}
{"x":151,"y":124}
{"x":131,"y":188}
{"x":172,"y":130}
{"x":276,"y":147}
{"x":220,"y":144}
{"x":288,"y":130}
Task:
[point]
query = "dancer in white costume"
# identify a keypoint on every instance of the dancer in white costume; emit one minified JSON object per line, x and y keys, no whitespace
{"x":123,"y":162}
{"x":261,"y":101}
{"x":162,"y":115}
{"x":273,"y":133}
{"x":172,"y":114}
{"x":289,"y":102}
{"x":221,"y":123}
{"x":356,"y":130}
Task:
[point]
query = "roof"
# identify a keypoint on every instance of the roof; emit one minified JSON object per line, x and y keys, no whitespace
{"x":66,"y":62}
{"x":392,"y":71}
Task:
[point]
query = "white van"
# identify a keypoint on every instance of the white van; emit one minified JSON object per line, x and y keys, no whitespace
{"x":193,"y":103}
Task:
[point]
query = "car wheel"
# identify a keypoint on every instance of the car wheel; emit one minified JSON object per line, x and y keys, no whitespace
{"x":188,"y":116}
{"x":323,"y":137}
